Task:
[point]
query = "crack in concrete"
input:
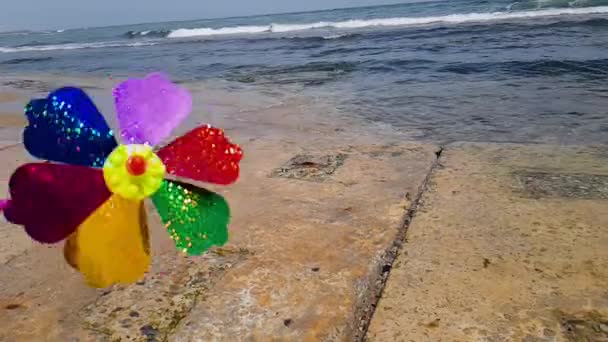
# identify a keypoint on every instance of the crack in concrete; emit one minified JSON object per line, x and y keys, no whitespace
{"x":366,"y":312}
{"x":9,"y":146}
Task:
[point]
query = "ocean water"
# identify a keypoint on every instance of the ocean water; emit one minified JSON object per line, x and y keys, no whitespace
{"x":478,"y":70}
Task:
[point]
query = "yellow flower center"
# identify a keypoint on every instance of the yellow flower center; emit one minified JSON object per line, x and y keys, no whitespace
{"x":133,"y":171}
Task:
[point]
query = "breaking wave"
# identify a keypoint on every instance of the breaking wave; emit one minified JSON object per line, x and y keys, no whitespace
{"x":400,"y":21}
{"x":73,"y":46}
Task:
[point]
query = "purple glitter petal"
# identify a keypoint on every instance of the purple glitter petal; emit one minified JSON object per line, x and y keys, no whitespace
{"x":149,"y":109}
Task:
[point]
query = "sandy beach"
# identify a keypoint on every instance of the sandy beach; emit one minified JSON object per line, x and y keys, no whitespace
{"x":339,"y":233}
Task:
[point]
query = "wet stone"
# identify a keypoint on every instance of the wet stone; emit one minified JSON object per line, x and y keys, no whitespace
{"x":310,"y":167}
{"x":28,"y":85}
{"x":580,"y":186}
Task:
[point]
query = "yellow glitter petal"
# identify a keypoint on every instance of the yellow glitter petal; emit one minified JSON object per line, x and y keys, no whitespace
{"x":112,"y":245}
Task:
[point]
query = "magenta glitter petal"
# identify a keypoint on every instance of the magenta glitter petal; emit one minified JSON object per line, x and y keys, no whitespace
{"x":149,"y":109}
{"x":52,"y":200}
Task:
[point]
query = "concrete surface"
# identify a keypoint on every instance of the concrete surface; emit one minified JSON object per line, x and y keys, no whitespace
{"x":302,"y":263}
{"x":510,"y":243}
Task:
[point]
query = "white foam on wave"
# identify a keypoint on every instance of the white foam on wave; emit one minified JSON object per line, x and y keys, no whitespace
{"x":400,"y":21}
{"x":335,"y":36}
{"x":348,"y":24}
{"x":73,"y":46}
{"x":183,"y":33}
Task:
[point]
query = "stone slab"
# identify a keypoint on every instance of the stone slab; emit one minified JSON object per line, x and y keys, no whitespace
{"x":510,"y":243}
{"x":302,"y":262}
{"x":317,"y":247}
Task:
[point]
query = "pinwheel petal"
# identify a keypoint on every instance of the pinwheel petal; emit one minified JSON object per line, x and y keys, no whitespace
{"x":195,"y":218}
{"x":67,"y":127}
{"x":112,"y":245}
{"x":203,"y":154}
{"x":149,"y":109}
{"x":51,"y":200}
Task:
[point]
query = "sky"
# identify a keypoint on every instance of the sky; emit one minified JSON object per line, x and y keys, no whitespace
{"x":61,"y":14}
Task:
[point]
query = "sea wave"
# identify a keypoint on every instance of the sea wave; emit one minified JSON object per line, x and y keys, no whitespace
{"x":148,"y":34}
{"x":205,"y":31}
{"x":74,"y":46}
{"x":520,"y":5}
{"x":399,"y":21}
{"x":25,"y":60}
{"x":155,"y":37}
{"x":593,"y":68}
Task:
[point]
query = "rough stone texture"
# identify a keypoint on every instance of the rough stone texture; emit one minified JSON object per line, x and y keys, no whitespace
{"x":301,"y":263}
{"x":491,"y":258}
{"x":581,"y":186}
{"x":151,"y":309}
{"x":310,"y":167}
{"x":316,"y":247}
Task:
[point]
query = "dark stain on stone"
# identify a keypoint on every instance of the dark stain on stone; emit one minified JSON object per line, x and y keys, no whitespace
{"x":29,"y":85}
{"x":287,"y":322}
{"x":486,"y":262}
{"x":310,"y":167}
{"x":149,"y":331}
{"x":548,"y":332}
{"x":14,"y":306}
{"x":433,"y":324}
{"x":315,"y":269}
{"x":134,"y":314}
{"x":565,"y":185}
{"x":589,"y":326}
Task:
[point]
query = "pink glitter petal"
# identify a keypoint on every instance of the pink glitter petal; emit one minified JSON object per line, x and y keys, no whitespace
{"x":149,"y":109}
{"x":51,"y":200}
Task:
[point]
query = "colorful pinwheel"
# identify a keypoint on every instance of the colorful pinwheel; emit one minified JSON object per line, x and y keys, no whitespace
{"x":93,"y":195}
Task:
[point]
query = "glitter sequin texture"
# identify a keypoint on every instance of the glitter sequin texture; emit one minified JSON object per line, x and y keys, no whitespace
{"x":67,"y":127}
{"x":203,"y":154}
{"x":107,"y":234}
{"x":195,"y":218}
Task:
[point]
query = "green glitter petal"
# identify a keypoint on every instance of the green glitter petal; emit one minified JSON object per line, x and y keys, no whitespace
{"x":195,"y":218}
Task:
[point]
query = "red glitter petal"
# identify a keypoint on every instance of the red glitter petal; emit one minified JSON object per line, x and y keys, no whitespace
{"x":51,"y":200}
{"x":203,"y":154}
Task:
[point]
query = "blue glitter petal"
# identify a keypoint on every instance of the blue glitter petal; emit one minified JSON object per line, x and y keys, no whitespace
{"x":67,"y":127}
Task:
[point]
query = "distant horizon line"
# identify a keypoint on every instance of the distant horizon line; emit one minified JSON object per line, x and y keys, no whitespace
{"x":216,"y":18}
